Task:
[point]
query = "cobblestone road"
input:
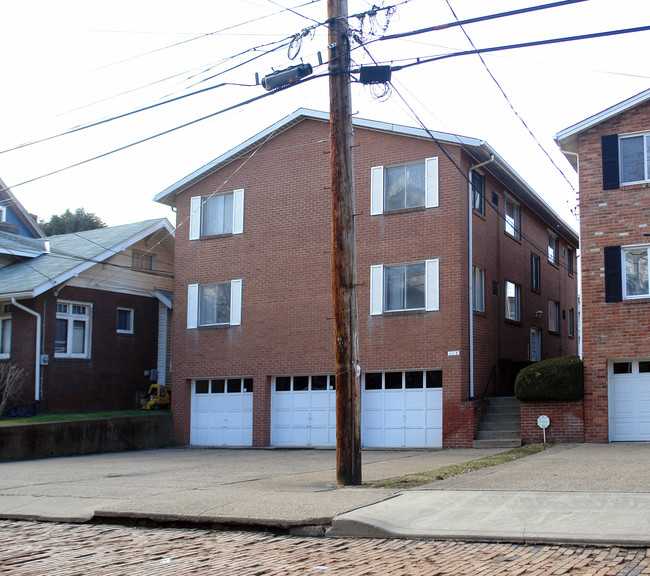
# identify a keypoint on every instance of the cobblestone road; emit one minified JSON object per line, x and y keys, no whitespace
{"x":29,"y":549}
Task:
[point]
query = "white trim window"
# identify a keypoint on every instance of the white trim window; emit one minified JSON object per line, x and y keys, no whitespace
{"x":124,"y":319}
{"x":553,"y":316}
{"x":478,"y":289}
{"x":635,"y":272}
{"x":214,"y":304}
{"x":3,"y":213}
{"x":553,"y":249}
{"x":404,"y":287}
{"x":512,"y":217}
{"x":634,"y":154}
{"x":572,"y":323}
{"x":478,"y":192}
{"x":217,"y":214}
{"x":5,"y":337}
{"x":406,"y":186}
{"x":72,"y":332}
{"x":513,"y":301}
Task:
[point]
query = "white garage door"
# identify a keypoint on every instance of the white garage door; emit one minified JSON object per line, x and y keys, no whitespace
{"x":629,"y":400}
{"x":222,"y":412}
{"x":303,"y":411}
{"x":402,"y":409}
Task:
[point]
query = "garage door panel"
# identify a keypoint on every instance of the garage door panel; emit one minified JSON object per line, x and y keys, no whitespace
{"x":415,"y":418}
{"x":434,"y":437}
{"x":414,"y":438}
{"x":373,"y":400}
{"x":320,"y":418}
{"x":300,"y":400}
{"x":434,"y":399}
{"x":415,"y":399}
{"x":393,"y":418}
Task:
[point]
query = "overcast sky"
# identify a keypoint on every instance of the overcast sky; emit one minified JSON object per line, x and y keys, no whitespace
{"x":68,"y":63}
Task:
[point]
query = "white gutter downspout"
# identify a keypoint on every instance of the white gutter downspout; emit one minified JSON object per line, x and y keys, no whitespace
{"x":470,"y":206}
{"x":37,"y":368}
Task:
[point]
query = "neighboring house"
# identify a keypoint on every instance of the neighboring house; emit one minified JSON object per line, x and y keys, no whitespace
{"x":86,"y":315}
{"x":612,"y":151}
{"x":14,"y":218}
{"x":253,"y":349}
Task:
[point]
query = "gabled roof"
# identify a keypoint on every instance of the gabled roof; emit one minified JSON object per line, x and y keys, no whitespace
{"x":567,"y":139}
{"x":8,"y":199}
{"x":71,"y":254}
{"x":477,"y":149}
{"x":15,"y":245}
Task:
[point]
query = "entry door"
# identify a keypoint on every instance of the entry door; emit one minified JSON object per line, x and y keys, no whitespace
{"x":535,"y":345}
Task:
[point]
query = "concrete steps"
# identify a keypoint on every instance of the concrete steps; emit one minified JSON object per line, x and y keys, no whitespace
{"x":501,"y":424}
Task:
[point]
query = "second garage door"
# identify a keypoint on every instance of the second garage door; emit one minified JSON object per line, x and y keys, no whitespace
{"x":629,"y":400}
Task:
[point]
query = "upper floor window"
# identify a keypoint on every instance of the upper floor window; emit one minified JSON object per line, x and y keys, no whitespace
{"x":571,"y":260}
{"x":553,"y":249}
{"x":214,"y":304}
{"x":478,"y":192}
{"x":405,"y":186}
{"x":478,"y":289}
{"x":3,"y":213}
{"x":513,"y":301}
{"x":572,"y":323}
{"x":626,"y":272}
{"x":404,"y":287}
{"x":125,"y":320}
{"x":535,"y":281}
{"x":217,"y":214}
{"x":512,"y":217}
{"x":553,"y":316}
{"x":72,"y":330}
{"x":635,"y":270}
{"x":5,"y":337}
{"x":143,"y":260}
{"x":634,"y":154}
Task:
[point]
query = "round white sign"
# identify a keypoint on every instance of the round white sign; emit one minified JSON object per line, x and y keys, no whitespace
{"x":543,"y":421}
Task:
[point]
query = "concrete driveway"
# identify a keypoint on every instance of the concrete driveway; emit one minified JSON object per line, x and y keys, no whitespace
{"x":262,"y":487}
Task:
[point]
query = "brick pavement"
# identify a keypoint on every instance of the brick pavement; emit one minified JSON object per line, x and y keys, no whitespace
{"x":30,"y":549}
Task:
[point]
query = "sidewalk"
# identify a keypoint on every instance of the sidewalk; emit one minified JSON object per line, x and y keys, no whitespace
{"x":587,"y":494}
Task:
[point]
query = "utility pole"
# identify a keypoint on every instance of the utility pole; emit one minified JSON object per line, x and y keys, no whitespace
{"x":344,"y":273}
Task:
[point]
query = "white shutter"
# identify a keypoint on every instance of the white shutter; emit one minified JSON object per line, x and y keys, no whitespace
{"x":238,"y":212}
{"x":432,"y":284}
{"x":192,"y":305}
{"x":235,"y":302}
{"x":377,"y":190}
{"x":376,"y":289}
{"x":431,"y":182}
{"x":195,"y":217}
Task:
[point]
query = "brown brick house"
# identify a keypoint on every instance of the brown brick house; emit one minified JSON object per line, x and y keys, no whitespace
{"x":612,"y":151}
{"x":86,"y":315}
{"x":253,"y":333}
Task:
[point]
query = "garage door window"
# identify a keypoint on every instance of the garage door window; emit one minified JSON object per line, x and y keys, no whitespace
{"x":304,"y":383}
{"x":403,"y":380}
{"x":223,"y":386}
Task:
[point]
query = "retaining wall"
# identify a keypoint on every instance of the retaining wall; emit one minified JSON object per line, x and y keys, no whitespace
{"x":77,"y":437}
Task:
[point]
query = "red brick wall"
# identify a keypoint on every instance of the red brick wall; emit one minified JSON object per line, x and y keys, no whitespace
{"x":283,"y":257}
{"x":566,"y":421}
{"x":114,"y":373}
{"x":609,"y":218}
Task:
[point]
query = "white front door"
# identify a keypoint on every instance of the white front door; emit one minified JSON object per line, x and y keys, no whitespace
{"x":222,"y":412}
{"x":629,"y":400}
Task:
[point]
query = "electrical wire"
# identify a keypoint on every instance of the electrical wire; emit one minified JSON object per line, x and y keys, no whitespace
{"x":539,"y":144}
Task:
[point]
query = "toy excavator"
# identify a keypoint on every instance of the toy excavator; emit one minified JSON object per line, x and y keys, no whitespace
{"x":157,"y":397}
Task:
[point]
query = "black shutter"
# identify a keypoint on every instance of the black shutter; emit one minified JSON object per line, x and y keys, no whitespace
{"x":609,"y":145}
{"x":613,"y":276}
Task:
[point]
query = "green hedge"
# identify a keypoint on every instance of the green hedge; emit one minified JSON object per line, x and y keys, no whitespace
{"x":553,"y":379}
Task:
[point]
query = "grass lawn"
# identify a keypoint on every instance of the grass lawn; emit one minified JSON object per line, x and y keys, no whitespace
{"x":79,"y":416}
{"x":420,"y":478}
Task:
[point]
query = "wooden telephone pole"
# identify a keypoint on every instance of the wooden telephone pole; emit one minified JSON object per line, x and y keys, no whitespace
{"x":344,"y":276}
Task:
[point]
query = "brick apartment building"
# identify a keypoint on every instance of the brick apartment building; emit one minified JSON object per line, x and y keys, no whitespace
{"x":612,"y":149}
{"x":253,"y":349}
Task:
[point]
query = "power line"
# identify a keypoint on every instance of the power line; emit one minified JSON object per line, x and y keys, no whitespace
{"x":510,"y":103}
{"x":480,"y":19}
